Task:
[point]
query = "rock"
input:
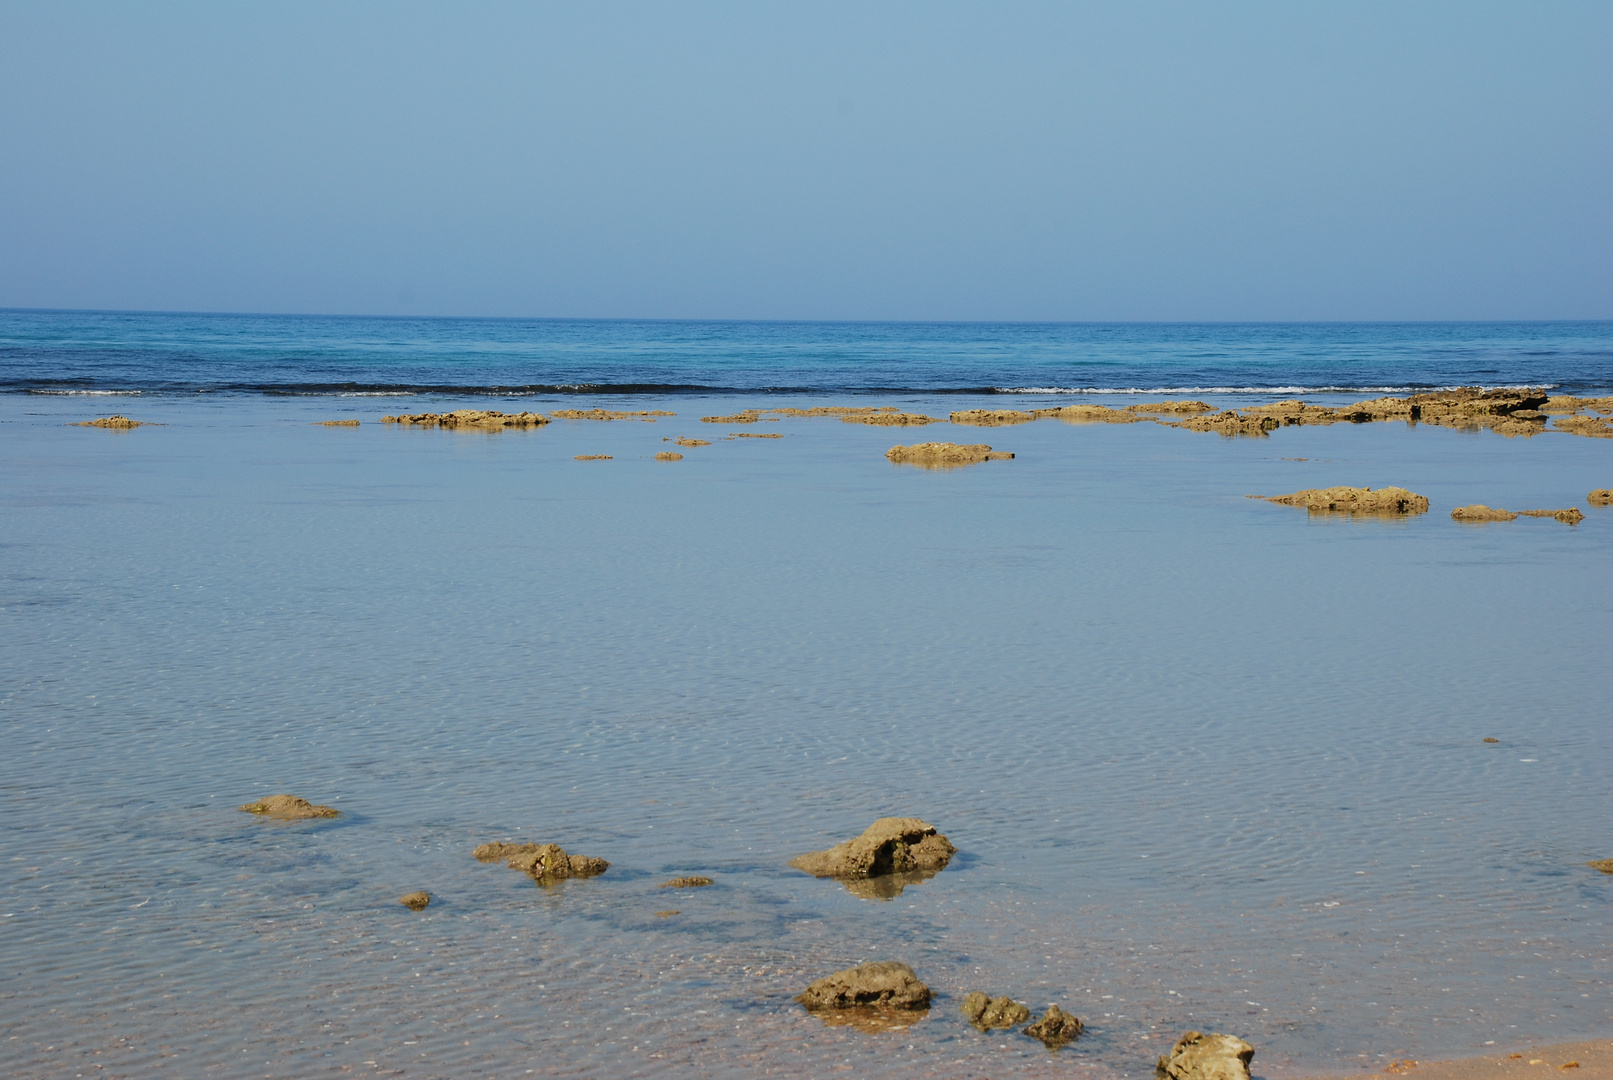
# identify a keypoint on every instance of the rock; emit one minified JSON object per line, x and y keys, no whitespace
{"x":1604,"y":865}
{"x":986,"y":1012}
{"x":482,"y":419}
{"x":745,"y":416}
{"x":1171,"y":407}
{"x":941,"y":455}
{"x":667,"y":914}
{"x":544,"y":863}
{"x":336,"y":423}
{"x":991,"y":417}
{"x":1087,"y":414}
{"x":1596,"y":427}
{"x":1480,"y":512}
{"x":289,"y":808}
{"x":1600,"y":497}
{"x":1228,"y":423}
{"x":687,"y":442}
{"x":593,"y":457}
{"x":755,"y":435}
{"x":890,"y":419}
{"x":606,"y":414}
{"x":669,"y":455}
{"x":836,"y":410}
{"x":686,"y":883}
{"x":1206,"y":1057}
{"x":1056,"y":1027}
{"x":1295,"y":412}
{"x":114,"y":421}
{"x":1491,"y":738}
{"x":415,"y":901}
{"x":886,"y":983}
{"x":1571,"y":516}
{"x":1348,"y":500}
{"x":890,"y":846}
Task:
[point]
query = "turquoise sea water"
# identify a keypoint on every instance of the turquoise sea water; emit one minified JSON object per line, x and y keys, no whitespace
{"x":1209,"y":762}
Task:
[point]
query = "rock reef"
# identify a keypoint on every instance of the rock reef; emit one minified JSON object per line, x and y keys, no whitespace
{"x":756,"y":435}
{"x":1088,"y":414}
{"x":686,"y":441}
{"x":336,"y":423}
{"x":1600,"y":497}
{"x":648,"y":415}
{"x":593,"y":457}
{"x":1056,"y":1028}
{"x":121,"y":423}
{"x":1206,"y":1057}
{"x":480,"y":419}
{"x":544,"y":863}
{"x":415,"y":901}
{"x":885,"y":983}
{"x":669,"y":455}
{"x":890,"y":846}
{"x":1171,"y":407}
{"x":890,"y":419}
{"x":991,"y":417}
{"x":289,"y":808}
{"x":942,"y":455}
{"x":1389,"y":501}
{"x":1604,"y":865}
{"x":744,"y":416}
{"x":693,"y":882}
{"x":1228,"y":423}
{"x":986,"y":1012}
{"x":1596,"y":427}
{"x":1478,"y":512}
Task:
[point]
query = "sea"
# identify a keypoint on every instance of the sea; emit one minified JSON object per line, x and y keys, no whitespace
{"x":1210,"y":763}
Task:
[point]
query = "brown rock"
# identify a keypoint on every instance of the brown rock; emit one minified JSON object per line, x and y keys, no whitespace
{"x":669,"y":455}
{"x":480,"y":419}
{"x":667,"y":914}
{"x":606,"y":414}
{"x":288,"y":808}
{"x":944,"y":455}
{"x":986,"y":1012}
{"x":1600,"y":497}
{"x":744,"y":416}
{"x":991,"y":417}
{"x":1604,"y":865}
{"x":889,"y":419}
{"x":755,"y":435}
{"x":114,"y":421}
{"x":1056,"y":1027}
{"x":686,"y":883}
{"x":687,"y":442}
{"x":337,"y":423}
{"x":1480,"y":512}
{"x":1348,"y":500}
{"x":1228,"y":423}
{"x":1087,"y":414}
{"x":415,"y":901}
{"x":890,"y":846}
{"x":544,"y":863}
{"x":886,"y":983}
{"x":1571,"y":516}
{"x":1491,"y":738}
{"x":835,"y":410}
{"x":593,"y":457}
{"x":1171,"y":407}
{"x":1595,"y":427}
{"x":1206,"y":1057}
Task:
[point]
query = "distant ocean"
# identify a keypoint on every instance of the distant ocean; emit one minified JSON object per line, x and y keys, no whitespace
{"x":68,"y":352}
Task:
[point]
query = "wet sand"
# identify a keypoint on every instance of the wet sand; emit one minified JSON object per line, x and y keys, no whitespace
{"x":1579,"y":1060}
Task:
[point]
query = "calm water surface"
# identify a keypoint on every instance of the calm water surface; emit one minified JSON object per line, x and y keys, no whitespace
{"x":1209,"y":762}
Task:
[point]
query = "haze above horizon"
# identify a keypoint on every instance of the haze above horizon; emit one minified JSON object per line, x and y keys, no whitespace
{"x":828,"y":162}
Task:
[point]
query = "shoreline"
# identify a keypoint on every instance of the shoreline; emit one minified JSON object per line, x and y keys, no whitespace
{"x":1590,"y":1059}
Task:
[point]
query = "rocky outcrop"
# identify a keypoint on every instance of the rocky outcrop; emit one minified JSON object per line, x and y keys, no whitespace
{"x":943,"y":455}
{"x":889,"y":846}
{"x":1171,"y":407}
{"x":336,"y":423}
{"x":593,"y":457}
{"x":480,"y":419}
{"x":884,"y":983}
{"x":669,"y":455}
{"x":544,"y":863}
{"x":986,"y":1012}
{"x":1087,"y":414}
{"x":1206,"y":1057}
{"x":744,"y":416}
{"x":1480,"y":512}
{"x":415,"y":901}
{"x":289,"y":808}
{"x":1604,"y":865}
{"x":755,"y":435}
{"x":1391,"y":501}
{"x":1228,"y":423}
{"x":1056,"y":1028}
{"x":1571,"y":516}
{"x":648,"y":415}
{"x":694,"y":882}
{"x":685,"y":441}
{"x":1600,"y":497}
{"x":1595,"y":427}
{"x":836,"y":410}
{"x":990,"y":417}
{"x":1570,"y":404}
{"x":121,"y":423}
{"x":890,"y":419}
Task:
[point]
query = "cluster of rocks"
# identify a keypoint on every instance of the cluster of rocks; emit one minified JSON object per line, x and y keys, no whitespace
{"x":543,"y":863}
{"x":116,"y":421}
{"x":944,"y":455}
{"x":1479,"y":513}
{"x":890,"y":419}
{"x":289,"y":808}
{"x":991,"y":417}
{"x":648,"y":415}
{"x":482,"y":419}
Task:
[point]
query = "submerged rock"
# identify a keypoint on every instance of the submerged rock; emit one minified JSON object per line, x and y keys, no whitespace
{"x":886,"y":983}
{"x":1171,"y":407}
{"x":991,"y":417}
{"x":1349,"y":500}
{"x":113,"y":421}
{"x":289,"y":808}
{"x":415,"y":901}
{"x":1087,"y":414}
{"x":482,"y":419}
{"x":1604,"y":865}
{"x":836,"y":410}
{"x":1056,"y":1028}
{"x":890,"y":419}
{"x":1206,"y":1057}
{"x":593,"y":457}
{"x":544,"y":863}
{"x":1600,"y":497}
{"x":606,"y":414}
{"x":941,"y":455}
{"x":695,"y":882}
{"x":1480,"y":512}
{"x":336,"y":423}
{"x":667,"y":914}
{"x":1228,"y":423}
{"x":669,"y":455}
{"x":889,"y":846}
{"x":1571,"y":516}
{"x":1596,"y":427}
{"x":744,"y":416}
{"x":686,"y":441}
{"x":986,"y":1012}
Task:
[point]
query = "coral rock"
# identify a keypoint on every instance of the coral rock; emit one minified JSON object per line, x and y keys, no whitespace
{"x":686,"y":883}
{"x":1171,"y":407}
{"x":593,"y":457}
{"x":114,"y":421}
{"x":886,"y":983}
{"x":986,"y":1012}
{"x":1087,"y":414}
{"x":1600,"y":497}
{"x":1348,"y":500}
{"x":991,"y":417}
{"x":482,"y":419}
{"x":1229,"y":423}
{"x":669,"y":455}
{"x":940,"y":455}
{"x":337,"y":423}
{"x":1056,"y":1027}
{"x":1480,"y":512}
{"x":415,"y":901}
{"x":606,"y":414}
{"x":1604,"y":865}
{"x":545,"y":863}
{"x":888,"y":846}
{"x":288,"y":808}
{"x":1206,"y":1057}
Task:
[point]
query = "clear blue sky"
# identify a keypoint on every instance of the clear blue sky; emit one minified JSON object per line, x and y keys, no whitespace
{"x":865,"y":161}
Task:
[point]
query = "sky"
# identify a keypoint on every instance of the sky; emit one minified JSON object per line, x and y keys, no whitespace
{"x":1001,"y":161}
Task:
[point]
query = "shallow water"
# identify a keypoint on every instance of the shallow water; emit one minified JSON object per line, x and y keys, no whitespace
{"x":1210,"y":762}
